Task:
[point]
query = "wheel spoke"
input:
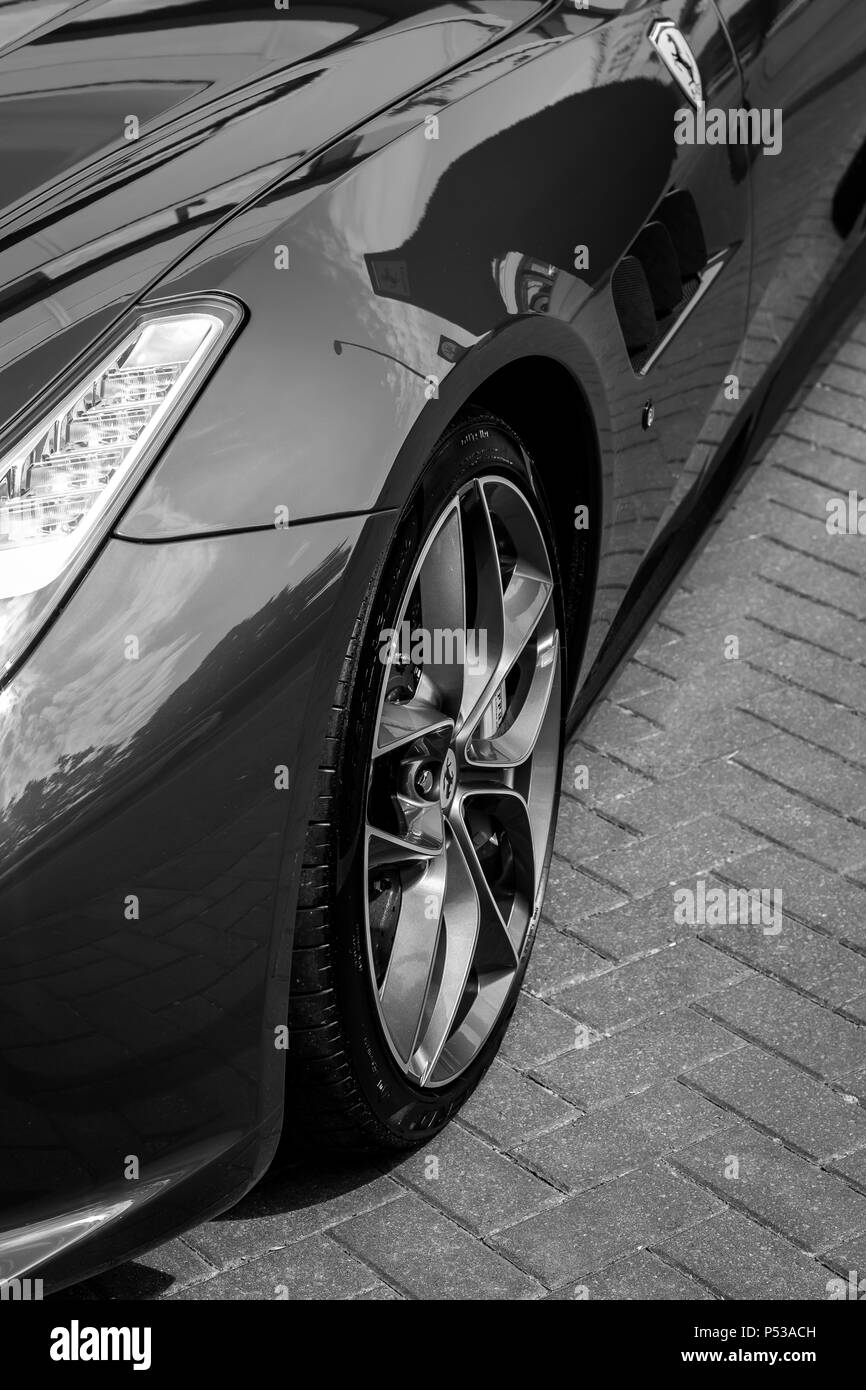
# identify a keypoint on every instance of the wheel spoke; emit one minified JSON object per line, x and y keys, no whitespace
{"x":459,"y":936}
{"x":496,"y":949}
{"x":489,"y":616}
{"x":422,"y":839}
{"x":524,"y":602}
{"x":402,"y":723}
{"x":507,"y":619}
{"x":410,"y":966}
{"x":514,"y":741}
{"x":443,"y":611}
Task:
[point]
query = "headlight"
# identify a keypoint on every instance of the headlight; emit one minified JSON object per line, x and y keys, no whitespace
{"x":77,"y":466}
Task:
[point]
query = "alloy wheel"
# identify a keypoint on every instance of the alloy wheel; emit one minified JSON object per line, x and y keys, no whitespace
{"x":463,"y":779}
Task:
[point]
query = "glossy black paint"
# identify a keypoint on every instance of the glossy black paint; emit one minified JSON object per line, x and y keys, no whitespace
{"x":154,"y":778}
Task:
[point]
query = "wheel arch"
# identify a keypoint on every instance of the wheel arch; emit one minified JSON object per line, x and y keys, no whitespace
{"x":551,"y":434}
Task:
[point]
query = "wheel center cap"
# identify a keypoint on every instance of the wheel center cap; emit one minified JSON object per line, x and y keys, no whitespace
{"x":448,"y":780}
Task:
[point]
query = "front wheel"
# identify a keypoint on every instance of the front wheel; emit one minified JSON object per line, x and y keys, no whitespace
{"x":427,"y":859}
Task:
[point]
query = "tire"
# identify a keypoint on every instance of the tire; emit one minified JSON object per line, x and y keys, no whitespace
{"x":371,"y":1066}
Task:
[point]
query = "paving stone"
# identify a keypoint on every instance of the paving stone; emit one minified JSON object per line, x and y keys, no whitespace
{"x":849,"y":1259}
{"x":607,"y":778}
{"x":666,"y":651}
{"x":806,"y":620}
{"x":642,"y":1276}
{"x":856,"y":1008}
{"x":820,"y":776}
{"x":536,"y":1033}
{"x":818,"y":897}
{"x":696,"y":739}
{"x":614,"y":1140}
{"x":635,"y":680}
{"x":312,"y":1269}
{"x":810,"y":1036}
{"x":851,"y":355}
{"x":827,"y":466}
{"x":676,"y":801}
{"x":816,"y":581}
{"x":739,"y":1259}
{"x":706,"y":843}
{"x":855,"y":1089}
{"x":797,"y":956}
{"x":558,"y":959}
{"x":472,"y":1182}
{"x":826,"y":433}
{"x":711,"y":606}
{"x":783,"y":1100}
{"x":754,"y":516}
{"x":611,"y":727}
{"x":594,"y":1227}
{"x":572,"y":896}
{"x":164,"y":1271}
{"x":809,"y":535}
{"x":809,"y":1207}
{"x":634,"y":929}
{"x":426,"y":1255}
{"x":816,"y":670}
{"x":824,"y":400}
{"x":808,"y":497}
{"x":582,"y":832}
{"x":509,"y":1108}
{"x":378,"y":1293}
{"x":841,"y":377}
{"x":630,"y":1061}
{"x":788,"y":819}
{"x":852,"y":1167}
{"x":289,"y":1206}
{"x":670,"y":754}
{"x":652,"y":985}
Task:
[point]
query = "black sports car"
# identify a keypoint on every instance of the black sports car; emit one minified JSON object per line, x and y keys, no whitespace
{"x":367,"y":373}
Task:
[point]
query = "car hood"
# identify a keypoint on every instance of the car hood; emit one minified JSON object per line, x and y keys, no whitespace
{"x":133,"y":128}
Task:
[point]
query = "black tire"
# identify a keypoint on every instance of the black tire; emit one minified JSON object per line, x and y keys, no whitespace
{"x":344,"y":1088}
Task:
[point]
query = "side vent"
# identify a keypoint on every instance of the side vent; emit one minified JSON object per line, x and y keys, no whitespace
{"x":656,"y":253}
{"x":634,"y":305}
{"x":680,"y":215}
{"x":659,"y":277}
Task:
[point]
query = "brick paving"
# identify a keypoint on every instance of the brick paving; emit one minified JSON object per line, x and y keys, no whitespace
{"x":678,"y":1110}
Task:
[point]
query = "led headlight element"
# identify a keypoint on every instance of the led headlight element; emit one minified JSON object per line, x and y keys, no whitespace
{"x":58,"y":483}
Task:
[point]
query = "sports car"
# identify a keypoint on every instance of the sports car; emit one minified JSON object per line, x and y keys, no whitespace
{"x":367,"y":373}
